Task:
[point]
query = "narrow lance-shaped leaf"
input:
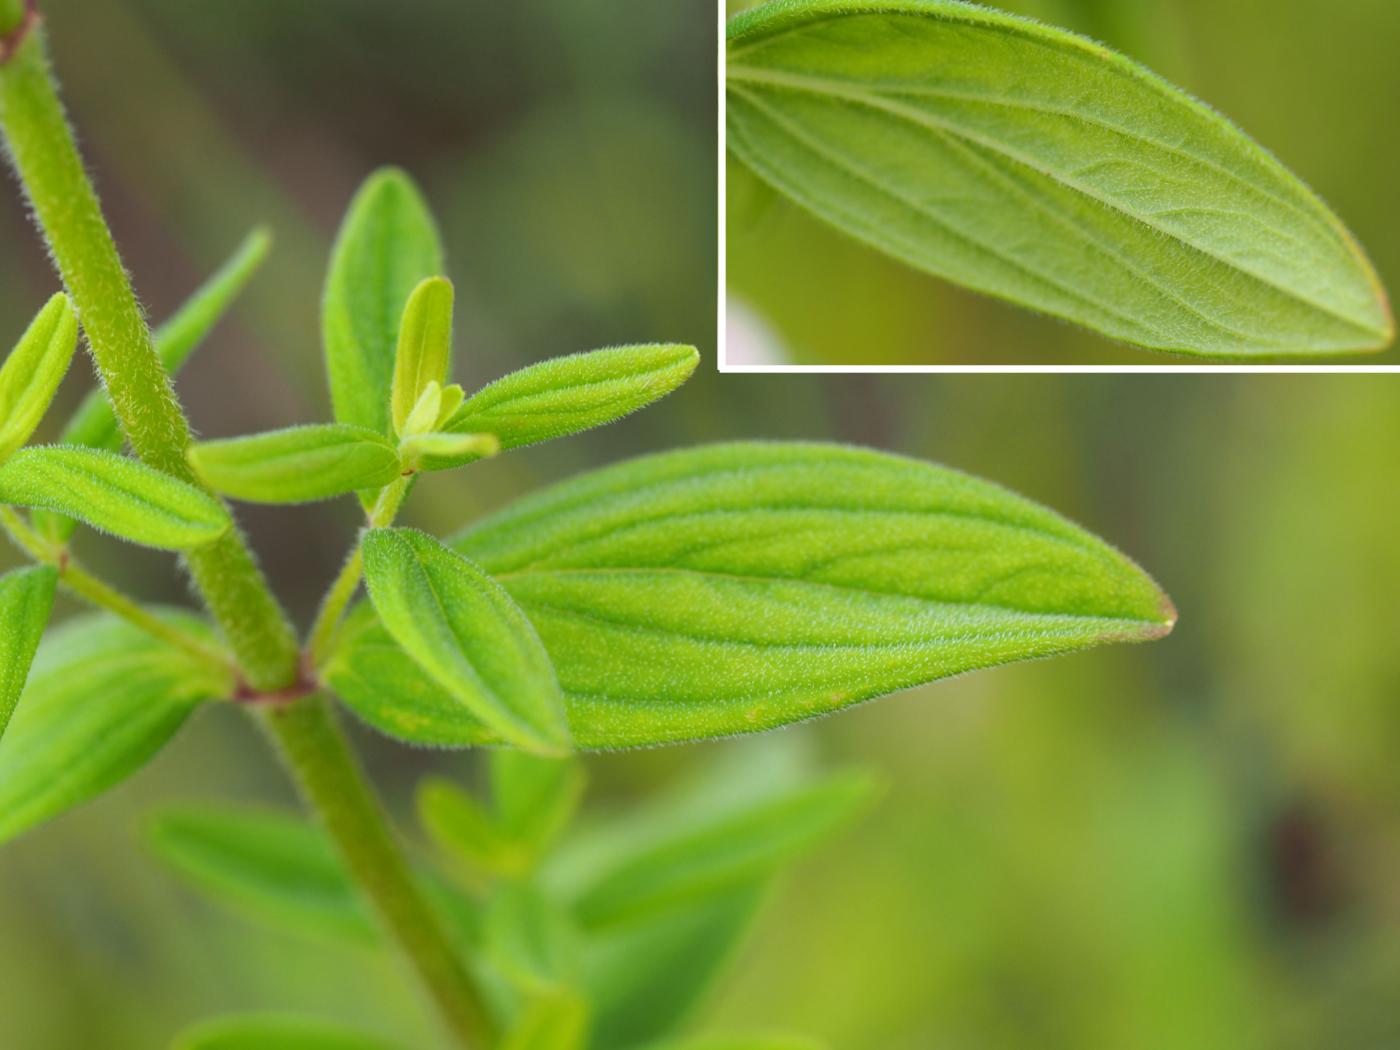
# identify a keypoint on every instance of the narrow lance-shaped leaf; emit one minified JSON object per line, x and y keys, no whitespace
{"x":115,"y":494}
{"x":424,"y":351}
{"x":386,"y":246}
{"x":734,"y":588}
{"x":94,"y":424}
{"x":102,"y":699}
{"x":32,"y":371}
{"x":26,"y":599}
{"x":568,"y":394}
{"x":298,"y":464}
{"x":1040,"y":167}
{"x":278,"y":1032}
{"x":464,"y":631}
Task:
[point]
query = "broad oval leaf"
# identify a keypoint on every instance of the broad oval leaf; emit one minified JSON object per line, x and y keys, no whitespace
{"x":26,"y":599}
{"x":32,"y":371}
{"x":102,"y":699}
{"x":387,"y":244}
{"x":424,"y":352}
{"x":94,"y":424}
{"x":462,"y":628}
{"x":733,"y":588}
{"x":297,"y":465}
{"x":1029,"y":163}
{"x":277,"y":867}
{"x":114,"y":494}
{"x":278,"y":1032}
{"x":565,"y":395}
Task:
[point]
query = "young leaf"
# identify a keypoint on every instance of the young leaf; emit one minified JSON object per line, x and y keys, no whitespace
{"x":445,"y":451}
{"x":568,"y":394}
{"x":733,"y":588}
{"x":424,"y":351}
{"x":465,"y":831}
{"x":94,"y":424}
{"x":33,"y":370}
{"x":534,"y":797}
{"x":115,"y":494}
{"x":466,"y":633}
{"x":278,"y":1032}
{"x":26,"y":598}
{"x":377,"y":680}
{"x":298,"y":464}
{"x":102,"y":699}
{"x":279,"y":868}
{"x":556,"y":1019}
{"x":386,"y":246}
{"x":762,"y":1041}
{"x":1037,"y":166}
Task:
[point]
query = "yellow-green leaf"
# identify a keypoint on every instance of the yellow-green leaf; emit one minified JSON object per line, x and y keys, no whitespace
{"x":33,"y":370}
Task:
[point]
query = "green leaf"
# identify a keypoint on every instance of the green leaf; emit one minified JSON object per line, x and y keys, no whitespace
{"x":437,"y":451}
{"x":94,"y":424}
{"x":463,"y":630}
{"x":114,"y":494}
{"x":733,"y":588}
{"x":33,"y":370}
{"x":695,"y":862}
{"x":463,"y":829}
{"x":535,"y":797}
{"x":530,"y":939}
{"x":553,"y":1020}
{"x":26,"y":599}
{"x":386,"y":246}
{"x":297,"y":465}
{"x":278,"y":1032}
{"x":102,"y":699}
{"x":568,"y":394}
{"x":1034,"y":165}
{"x":279,"y":868}
{"x":759,"y":1041}
{"x":379,"y":683}
{"x":424,"y":352}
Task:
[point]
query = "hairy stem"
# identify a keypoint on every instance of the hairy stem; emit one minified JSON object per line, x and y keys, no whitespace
{"x":42,"y":149}
{"x":334,"y":785}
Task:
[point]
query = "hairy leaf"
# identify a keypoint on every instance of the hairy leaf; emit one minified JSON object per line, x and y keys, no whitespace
{"x":26,"y":599}
{"x":386,"y":246}
{"x":467,"y":634}
{"x":32,"y":371}
{"x":297,"y":465}
{"x":102,"y":699}
{"x":94,"y":424}
{"x":277,"y":867}
{"x":734,"y":588}
{"x":439,"y":451}
{"x":115,"y":494}
{"x":1034,"y":165}
{"x":278,"y":1032}
{"x":424,"y":352}
{"x":568,"y":394}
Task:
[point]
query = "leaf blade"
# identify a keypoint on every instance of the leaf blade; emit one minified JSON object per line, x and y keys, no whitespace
{"x":31,"y":373}
{"x":26,"y":599}
{"x":114,"y":494}
{"x":466,"y":633}
{"x":424,"y":349}
{"x":733,"y":588}
{"x":1039,"y":167}
{"x":278,"y":1032}
{"x":300,"y":464}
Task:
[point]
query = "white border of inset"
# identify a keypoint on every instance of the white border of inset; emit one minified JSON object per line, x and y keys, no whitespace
{"x":1187,"y":367}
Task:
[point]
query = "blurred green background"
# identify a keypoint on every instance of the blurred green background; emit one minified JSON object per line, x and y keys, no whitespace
{"x":1315,"y":81}
{"x":1188,"y":845}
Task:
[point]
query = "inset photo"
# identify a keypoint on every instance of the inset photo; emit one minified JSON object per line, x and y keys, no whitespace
{"x":1059,"y":183}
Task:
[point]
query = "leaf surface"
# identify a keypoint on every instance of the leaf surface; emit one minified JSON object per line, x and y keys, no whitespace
{"x":565,"y":395}
{"x":102,"y":699}
{"x":387,"y":244}
{"x":114,"y":494}
{"x":26,"y":599}
{"x":733,"y":588}
{"x":463,"y":629}
{"x":553,"y":1020}
{"x":424,"y":352}
{"x":32,"y":371}
{"x":1034,"y":165}
{"x":298,"y":464}
{"x":278,"y":1032}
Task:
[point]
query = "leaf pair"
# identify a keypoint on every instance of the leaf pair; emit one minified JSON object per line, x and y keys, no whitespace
{"x":1034,"y":165}
{"x":734,"y":588}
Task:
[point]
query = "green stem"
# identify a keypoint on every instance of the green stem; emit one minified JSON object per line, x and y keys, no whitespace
{"x":334,"y":785}
{"x":43,"y":152}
